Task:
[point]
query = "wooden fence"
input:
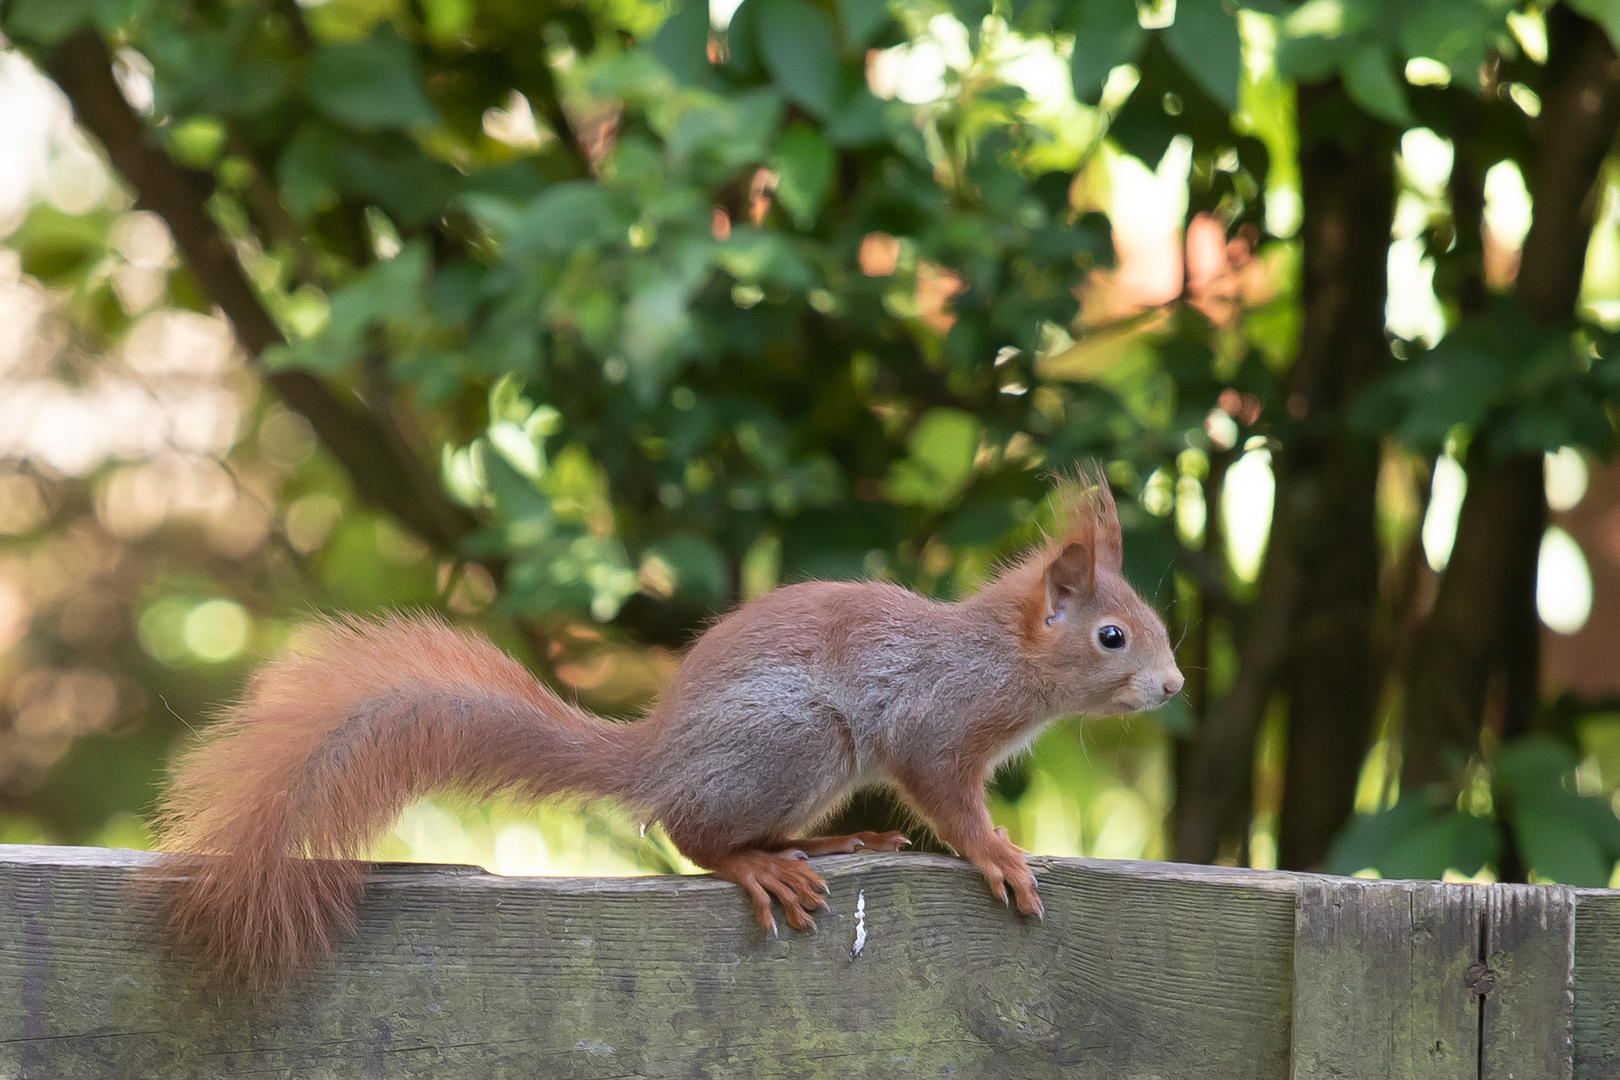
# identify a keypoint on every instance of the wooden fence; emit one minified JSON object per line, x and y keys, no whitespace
{"x":1138,"y":970}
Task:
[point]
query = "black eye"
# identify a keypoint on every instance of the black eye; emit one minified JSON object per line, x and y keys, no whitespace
{"x":1111,"y":637}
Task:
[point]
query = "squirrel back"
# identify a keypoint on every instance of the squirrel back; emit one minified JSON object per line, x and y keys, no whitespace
{"x":286,"y":792}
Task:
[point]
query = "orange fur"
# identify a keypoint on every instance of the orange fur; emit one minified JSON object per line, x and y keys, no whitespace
{"x":777,"y":713}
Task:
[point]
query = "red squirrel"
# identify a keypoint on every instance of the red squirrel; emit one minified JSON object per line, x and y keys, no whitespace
{"x":777,"y":713}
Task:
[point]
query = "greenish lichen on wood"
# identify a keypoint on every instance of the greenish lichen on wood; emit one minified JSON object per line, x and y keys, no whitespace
{"x":1137,"y":970}
{"x":1380,"y":979}
{"x":1529,"y":1019}
{"x":1597,"y":984}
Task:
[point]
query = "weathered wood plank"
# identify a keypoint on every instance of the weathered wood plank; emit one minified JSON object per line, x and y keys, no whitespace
{"x":1138,"y":970}
{"x":1527,"y":983}
{"x":1597,"y":984}
{"x":1379,"y":972}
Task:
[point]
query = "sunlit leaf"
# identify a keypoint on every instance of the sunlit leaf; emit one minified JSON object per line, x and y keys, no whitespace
{"x":939,"y":462}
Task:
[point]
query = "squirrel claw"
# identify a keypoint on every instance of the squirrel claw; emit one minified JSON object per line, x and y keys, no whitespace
{"x":784,"y":877}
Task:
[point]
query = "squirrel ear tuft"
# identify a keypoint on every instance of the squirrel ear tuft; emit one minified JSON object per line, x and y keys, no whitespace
{"x":1072,"y":575}
{"x":1105,"y":515}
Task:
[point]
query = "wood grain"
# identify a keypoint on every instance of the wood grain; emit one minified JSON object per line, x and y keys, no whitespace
{"x":1597,"y":984}
{"x":1138,"y":970}
{"x":1528,"y":981}
{"x":1379,"y":970}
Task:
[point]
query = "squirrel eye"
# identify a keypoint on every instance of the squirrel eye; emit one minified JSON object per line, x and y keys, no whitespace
{"x":1111,"y":637}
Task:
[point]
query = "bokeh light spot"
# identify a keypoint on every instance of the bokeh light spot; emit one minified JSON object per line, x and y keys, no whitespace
{"x":217,"y":630}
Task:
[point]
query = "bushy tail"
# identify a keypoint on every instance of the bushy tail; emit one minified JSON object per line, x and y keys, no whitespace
{"x":327,"y":746}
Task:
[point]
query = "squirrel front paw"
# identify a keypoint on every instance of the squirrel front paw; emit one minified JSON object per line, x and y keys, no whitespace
{"x":1004,"y":867}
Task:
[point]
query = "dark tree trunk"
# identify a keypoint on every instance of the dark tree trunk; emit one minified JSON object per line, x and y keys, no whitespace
{"x":1468,"y":642}
{"x":1332,"y":477}
{"x":1580,"y":107}
{"x":1309,"y":633}
{"x":1476,"y":662}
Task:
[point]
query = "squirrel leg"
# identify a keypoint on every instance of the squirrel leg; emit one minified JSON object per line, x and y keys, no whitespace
{"x":816,"y":846}
{"x":956,"y":806}
{"x":766,"y":875}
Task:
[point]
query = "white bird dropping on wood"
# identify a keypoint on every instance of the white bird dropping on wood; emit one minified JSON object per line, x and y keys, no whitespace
{"x":860,"y":925}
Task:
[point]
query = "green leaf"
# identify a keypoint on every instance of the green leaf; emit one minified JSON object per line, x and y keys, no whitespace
{"x":1421,"y":836}
{"x":1204,"y":40}
{"x":939,"y":462}
{"x":804,"y":165}
{"x":751,"y":254}
{"x":1534,"y":762}
{"x":1370,"y":80}
{"x":1310,"y":58}
{"x":682,"y":43}
{"x":1454,"y":384}
{"x":700,"y":571}
{"x":392,"y":170}
{"x":725,"y":134}
{"x":60,"y":249}
{"x":519,"y":504}
{"x":46,"y":22}
{"x":972,"y":13}
{"x":983,"y":522}
{"x":372,"y":84}
{"x":800,"y":47}
{"x":1106,"y":34}
{"x":657,"y":328}
{"x":861,"y":19}
{"x":387,"y":290}
{"x":561,"y":219}
{"x":1556,"y":848}
{"x":307,"y":169}
{"x":1455,"y":32}
{"x":1562,"y":835}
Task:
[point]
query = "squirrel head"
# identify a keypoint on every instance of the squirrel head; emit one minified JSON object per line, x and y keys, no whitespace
{"x":1096,"y":643}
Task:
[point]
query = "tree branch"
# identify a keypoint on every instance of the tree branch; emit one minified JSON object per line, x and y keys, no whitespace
{"x":400,"y":485}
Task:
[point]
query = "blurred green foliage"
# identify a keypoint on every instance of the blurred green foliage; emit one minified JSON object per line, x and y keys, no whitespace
{"x":684,"y":305}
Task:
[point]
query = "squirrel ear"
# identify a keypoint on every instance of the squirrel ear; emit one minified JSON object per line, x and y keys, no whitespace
{"x":1070,"y":576}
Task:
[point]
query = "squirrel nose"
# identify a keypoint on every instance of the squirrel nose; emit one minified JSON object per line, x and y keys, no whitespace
{"x":1173,"y":683}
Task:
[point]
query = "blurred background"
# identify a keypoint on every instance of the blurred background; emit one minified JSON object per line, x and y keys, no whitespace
{"x":581,"y":321}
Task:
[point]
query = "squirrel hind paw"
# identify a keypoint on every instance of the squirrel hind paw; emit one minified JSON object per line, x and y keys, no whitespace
{"x":860,"y":843}
{"x":780,"y":876}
